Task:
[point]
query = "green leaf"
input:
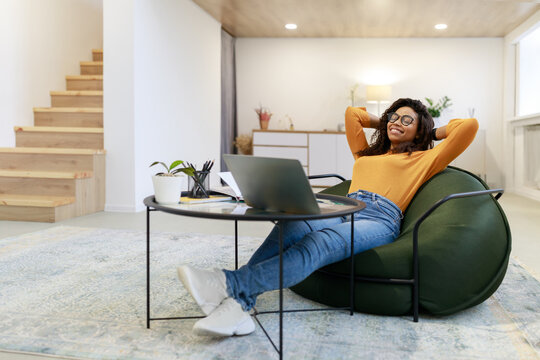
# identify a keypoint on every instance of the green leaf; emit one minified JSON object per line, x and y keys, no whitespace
{"x":188,"y":171}
{"x":175,"y":164}
{"x":159,"y":162}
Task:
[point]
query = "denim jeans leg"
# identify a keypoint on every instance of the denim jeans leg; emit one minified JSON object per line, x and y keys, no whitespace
{"x":315,"y":250}
{"x":293,"y":231}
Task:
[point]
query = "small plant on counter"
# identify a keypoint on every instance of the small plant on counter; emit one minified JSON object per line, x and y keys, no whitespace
{"x":264,"y":116}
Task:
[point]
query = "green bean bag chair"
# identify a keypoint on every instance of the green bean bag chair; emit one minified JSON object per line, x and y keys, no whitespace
{"x":464,"y":248}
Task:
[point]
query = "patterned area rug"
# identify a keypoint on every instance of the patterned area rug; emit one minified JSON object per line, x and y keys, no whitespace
{"x":81,"y":292}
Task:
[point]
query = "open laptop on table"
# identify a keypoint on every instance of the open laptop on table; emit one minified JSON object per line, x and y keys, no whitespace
{"x":273,"y":184}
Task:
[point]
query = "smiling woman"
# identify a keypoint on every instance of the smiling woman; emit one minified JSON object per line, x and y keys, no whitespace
{"x":402,"y":148}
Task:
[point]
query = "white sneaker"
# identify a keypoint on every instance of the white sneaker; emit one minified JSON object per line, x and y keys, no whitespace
{"x":207,"y":287}
{"x":227,"y":320}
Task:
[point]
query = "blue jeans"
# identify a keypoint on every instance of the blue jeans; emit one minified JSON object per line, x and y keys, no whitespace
{"x":311,"y":245}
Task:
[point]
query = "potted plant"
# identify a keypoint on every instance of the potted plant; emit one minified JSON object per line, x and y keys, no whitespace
{"x":168,"y":183}
{"x":264,"y":116}
{"x":435,"y":109}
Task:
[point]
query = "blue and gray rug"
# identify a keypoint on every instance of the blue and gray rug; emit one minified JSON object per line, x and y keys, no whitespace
{"x":81,"y":292}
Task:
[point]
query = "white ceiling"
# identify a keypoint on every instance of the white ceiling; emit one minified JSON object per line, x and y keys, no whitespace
{"x":369,"y":18}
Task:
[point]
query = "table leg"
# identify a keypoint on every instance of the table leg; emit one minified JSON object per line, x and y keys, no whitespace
{"x":280,"y":223}
{"x":352,"y":266}
{"x":147,"y":267}
{"x":236,"y":244}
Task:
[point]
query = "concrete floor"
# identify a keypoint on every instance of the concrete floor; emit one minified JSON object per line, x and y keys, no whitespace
{"x":523,"y":215}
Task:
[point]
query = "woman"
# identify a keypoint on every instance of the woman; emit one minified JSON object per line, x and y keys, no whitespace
{"x":386,"y":175}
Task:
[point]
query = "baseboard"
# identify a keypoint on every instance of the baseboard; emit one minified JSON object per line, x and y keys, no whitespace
{"x":528,"y":192}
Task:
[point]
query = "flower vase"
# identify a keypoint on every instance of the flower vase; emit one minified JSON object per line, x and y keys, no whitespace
{"x":264,"y":123}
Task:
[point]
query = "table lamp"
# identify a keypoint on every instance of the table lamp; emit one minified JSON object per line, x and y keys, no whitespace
{"x":378,"y":94}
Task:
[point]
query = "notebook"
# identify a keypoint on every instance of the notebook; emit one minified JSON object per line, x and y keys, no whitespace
{"x":273,"y":184}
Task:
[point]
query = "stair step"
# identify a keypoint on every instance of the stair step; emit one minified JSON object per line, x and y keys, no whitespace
{"x":97,"y":54}
{"x":51,"y":151}
{"x":36,"y":208}
{"x":45,"y":174}
{"x":53,"y":159}
{"x":69,"y":117}
{"x":35,"y":200}
{"x":59,"y":137}
{"x":49,"y":129}
{"x":78,"y":99}
{"x":69,"y":110}
{"x":53,"y":183}
{"x":84,"y":82}
{"x":91,"y":67}
{"x":52,"y":171}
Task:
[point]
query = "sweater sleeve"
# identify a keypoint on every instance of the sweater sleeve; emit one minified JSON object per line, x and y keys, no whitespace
{"x":356,"y":119}
{"x":460,"y":134}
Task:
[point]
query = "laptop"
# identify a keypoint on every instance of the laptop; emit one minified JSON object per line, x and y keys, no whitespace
{"x":273,"y":184}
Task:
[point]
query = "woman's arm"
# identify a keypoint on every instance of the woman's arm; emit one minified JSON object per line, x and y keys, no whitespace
{"x":356,"y":119}
{"x":440,"y":133}
{"x":457,"y":135}
{"x":374,"y":121}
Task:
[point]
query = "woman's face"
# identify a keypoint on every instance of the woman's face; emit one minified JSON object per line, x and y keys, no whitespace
{"x":397,"y":132}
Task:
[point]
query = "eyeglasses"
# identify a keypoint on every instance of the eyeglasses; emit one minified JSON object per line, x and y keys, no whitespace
{"x":406,"y":120}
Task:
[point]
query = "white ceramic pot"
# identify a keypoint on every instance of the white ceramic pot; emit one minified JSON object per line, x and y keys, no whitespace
{"x":167,"y":189}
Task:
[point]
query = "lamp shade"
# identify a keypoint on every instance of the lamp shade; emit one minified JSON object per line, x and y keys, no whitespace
{"x":378,"y":92}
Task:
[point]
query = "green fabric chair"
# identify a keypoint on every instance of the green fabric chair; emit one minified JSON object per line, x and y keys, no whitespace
{"x":463,"y":252}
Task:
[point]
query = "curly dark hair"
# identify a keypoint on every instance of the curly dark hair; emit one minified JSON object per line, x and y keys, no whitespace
{"x":423,"y":141}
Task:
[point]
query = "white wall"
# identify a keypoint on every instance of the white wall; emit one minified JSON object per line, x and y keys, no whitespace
{"x":166,"y":102}
{"x":118,"y":104}
{"x":309,"y":79}
{"x":41,"y":42}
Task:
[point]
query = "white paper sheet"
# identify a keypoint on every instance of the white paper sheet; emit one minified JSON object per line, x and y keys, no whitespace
{"x":229,"y":180}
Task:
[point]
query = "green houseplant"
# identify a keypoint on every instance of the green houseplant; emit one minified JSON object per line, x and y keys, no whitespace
{"x":435,"y":109}
{"x":168,"y":183}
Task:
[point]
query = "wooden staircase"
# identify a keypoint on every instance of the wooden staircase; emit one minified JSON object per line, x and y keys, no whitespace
{"x":57,"y":169}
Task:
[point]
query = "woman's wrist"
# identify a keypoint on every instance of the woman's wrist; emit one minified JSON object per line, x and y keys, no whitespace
{"x":434,"y":134}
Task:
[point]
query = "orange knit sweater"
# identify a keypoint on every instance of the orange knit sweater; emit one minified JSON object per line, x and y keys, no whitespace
{"x":397,"y":177}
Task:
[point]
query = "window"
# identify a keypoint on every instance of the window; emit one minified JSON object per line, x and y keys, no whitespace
{"x":529,"y":74}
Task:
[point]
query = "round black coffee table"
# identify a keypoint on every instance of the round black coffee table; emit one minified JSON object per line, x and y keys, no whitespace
{"x":330,"y":206}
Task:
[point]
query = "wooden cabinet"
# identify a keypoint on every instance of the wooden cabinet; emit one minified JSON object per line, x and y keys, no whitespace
{"x":319,"y":152}
{"x":282,"y":144}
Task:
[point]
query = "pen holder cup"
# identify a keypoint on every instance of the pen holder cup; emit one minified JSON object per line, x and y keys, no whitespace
{"x":199,"y":184}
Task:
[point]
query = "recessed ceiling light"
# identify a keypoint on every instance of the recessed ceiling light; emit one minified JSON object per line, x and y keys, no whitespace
{"x":441,"y":26}
{"x":291,"y":26}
